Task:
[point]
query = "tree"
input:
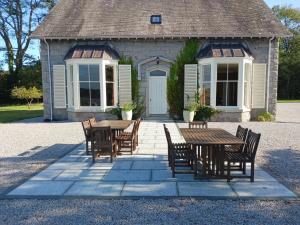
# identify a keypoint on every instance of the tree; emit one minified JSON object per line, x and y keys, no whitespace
{"x":289,"y":54}
{"x":18,"y":18}
{"x":28,"y":94}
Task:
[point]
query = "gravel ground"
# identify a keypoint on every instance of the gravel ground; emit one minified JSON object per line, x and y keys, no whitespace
{"x":288,"y":112}
{"x":149,"y":211}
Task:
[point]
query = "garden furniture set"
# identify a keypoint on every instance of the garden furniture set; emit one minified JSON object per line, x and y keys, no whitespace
{"x":212,"y":152}
{"x":109,"y":137}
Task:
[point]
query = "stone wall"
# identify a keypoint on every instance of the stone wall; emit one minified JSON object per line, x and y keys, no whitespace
{"x":140,"y":50}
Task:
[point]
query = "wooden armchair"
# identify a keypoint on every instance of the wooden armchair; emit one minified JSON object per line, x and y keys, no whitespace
{"x":198,"y":125}
{"x":128,"y":139}
{"x":102,"y":143}
{"x":246,"y":155}
{"x":87,"y":133}
{"x":181,"y":155}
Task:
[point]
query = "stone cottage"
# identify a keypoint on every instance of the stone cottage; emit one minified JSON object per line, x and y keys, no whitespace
{"x":81,"y":42}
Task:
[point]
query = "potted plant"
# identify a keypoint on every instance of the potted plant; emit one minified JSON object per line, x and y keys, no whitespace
{"x":127,"y":111}
{"x":204,"y":113}
{"x":189,"y":112}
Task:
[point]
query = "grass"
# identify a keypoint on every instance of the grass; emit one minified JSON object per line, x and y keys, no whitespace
{"x":289,"y":101}
{"x":13,"y":113}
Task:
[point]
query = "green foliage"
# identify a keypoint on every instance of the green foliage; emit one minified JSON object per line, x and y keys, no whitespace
{"x":128,"y":107}
{"x":29,"y":94}
{"x":265,"y":117}
{"x":204,"y":113}
{"x":289,"y":54}
{"x":137,"y":99}
{"x":117,"y":112}
{"x":192,"y":107}
{"x":175,"y":86}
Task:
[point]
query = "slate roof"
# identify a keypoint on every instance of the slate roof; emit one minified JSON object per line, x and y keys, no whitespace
{"x":102,"y":19}
{"x":91,"y":51}
{"x":224,"y":50}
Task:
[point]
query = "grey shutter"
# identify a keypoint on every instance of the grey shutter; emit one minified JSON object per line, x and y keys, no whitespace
{"x":59,"y":86}
{"x":190,"y":83}
{"x":124,"y":84}
{"x":259,"y":85}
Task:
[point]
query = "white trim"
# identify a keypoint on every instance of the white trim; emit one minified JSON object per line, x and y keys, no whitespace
{"x":163,"y":59}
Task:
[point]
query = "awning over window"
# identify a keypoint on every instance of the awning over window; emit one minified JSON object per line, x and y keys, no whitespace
{"x":223,"y":50}
{"x":92,"y":52}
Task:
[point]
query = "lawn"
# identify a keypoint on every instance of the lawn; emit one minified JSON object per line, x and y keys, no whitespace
{"x":289,"y":101}
{"x":18,"y":112}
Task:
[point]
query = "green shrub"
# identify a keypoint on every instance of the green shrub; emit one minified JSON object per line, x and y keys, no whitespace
{"x":29,"y":94}
{"x":175,"y":85}
{"x":192,"y":107}
{"x":265,"y":117}
{"x":128,"y":107}
{"x":204,"y":113}
{"x":117,"y":112}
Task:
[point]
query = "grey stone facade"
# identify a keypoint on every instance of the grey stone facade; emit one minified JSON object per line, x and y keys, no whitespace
{"x":141,"y":50}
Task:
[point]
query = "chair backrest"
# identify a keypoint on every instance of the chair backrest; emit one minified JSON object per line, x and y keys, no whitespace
{"x":252,"y":142}
{"x":138,"y":125}
{"x":241,"y":133}
{"x":86,"y":126}
{"x":101,"y":137}
{"x":168,"y":136}
{"x":92,"y":120}
{"x":198,"y":125}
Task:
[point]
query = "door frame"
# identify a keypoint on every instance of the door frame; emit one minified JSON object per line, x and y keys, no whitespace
{"x":163,"y":68}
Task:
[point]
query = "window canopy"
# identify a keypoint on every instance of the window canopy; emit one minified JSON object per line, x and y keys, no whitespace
{"x":92,"y":52}
{"x":217,"y":50}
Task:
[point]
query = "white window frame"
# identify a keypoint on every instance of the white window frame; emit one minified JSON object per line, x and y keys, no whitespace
{"x":213,"y":90}
{"x":76,"y":90}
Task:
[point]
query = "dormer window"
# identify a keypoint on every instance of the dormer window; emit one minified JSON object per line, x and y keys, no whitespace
{"x":155,"y":19}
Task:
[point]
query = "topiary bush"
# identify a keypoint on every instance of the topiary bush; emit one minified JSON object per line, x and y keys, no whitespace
{"x":265,"y":117}
{"x":175,"y":84}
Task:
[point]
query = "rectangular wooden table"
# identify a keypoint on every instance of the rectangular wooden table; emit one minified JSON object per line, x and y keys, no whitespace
{"x":116,"y":126}
{"x":212,"y":142}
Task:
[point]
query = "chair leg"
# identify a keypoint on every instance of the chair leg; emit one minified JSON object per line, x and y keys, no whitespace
{"x":228,"y":171}
{"x":87,"y":147}
{"x":244,"y":168}
{"x":93,"y":155}
{"x":252,"y":172}
{"x":131,"y":147}
{"x":111,"y":156}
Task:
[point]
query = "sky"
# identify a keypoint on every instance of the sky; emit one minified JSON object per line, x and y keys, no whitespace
{"x":34,"y":47}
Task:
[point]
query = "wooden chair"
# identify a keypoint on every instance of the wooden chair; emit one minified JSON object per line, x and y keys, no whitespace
{"x":168,"y":137}
{"x":247,"y":155}
{"x":198,"y":125}
{"x":102,"y":143}
{"x":87,"y":133}
{"x":128,"y":139}
{"x":136,"y":132}
{"x":181,"y":155}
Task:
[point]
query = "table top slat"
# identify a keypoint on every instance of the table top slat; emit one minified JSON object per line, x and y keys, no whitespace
{"x":114,"y":124}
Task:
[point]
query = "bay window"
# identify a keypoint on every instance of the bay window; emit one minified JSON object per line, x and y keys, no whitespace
{"x":205,"y":84}
{"x":110,"y":85}
{"x":247,"y":85}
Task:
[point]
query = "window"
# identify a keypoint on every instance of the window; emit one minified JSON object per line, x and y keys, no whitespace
{"x":89,"y":81}
{"x":110,"y":95}
{"x":205,"y":84}
{"x":247,"y":85}
{"x":155,"y":19}
{"x":157,"y":73}
{"x":227,"y":84}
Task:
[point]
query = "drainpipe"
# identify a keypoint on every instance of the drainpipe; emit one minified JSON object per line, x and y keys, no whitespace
{"x":269,"y":73}
{"x":50,"y":79}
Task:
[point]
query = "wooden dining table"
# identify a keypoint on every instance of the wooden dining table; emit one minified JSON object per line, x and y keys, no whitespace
{"x":210,"y":144}
{"x":116,"y":126}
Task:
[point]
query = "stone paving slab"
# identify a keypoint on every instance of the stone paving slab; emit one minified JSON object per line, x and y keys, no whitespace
{"x":154,"y":189}
{"x":93,"y":188}
{"x":47,"y":174}
{"x":40,"y":188}
{"x":208,"y":189}
{"x":128,"y":175}
{"x":261,"y":189}
{"x":166,"y":175}
{"x":81,"y":175}
{"x":149,"y":165}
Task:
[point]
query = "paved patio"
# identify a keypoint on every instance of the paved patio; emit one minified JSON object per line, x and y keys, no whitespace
{"x":146,"y":173}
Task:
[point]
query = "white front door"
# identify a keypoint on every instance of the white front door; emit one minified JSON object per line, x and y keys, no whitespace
{"x":158,"y":94}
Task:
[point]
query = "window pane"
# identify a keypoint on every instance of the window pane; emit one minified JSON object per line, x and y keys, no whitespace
{"x":109,"y":94}
{"x":232,"y":94}
{"x":109,"y":72}
{"x":206,"y":73}
{"x":222,"y":71}
{"x":95,"y":94}
{"x":157,"y":73}
{"x":84,"y":94}
{"x":83,"y":73}
{"x":94,"y":72}
{"x":233,"y":72}
{"x":221,"y":94}
{"x":206,"y":94}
